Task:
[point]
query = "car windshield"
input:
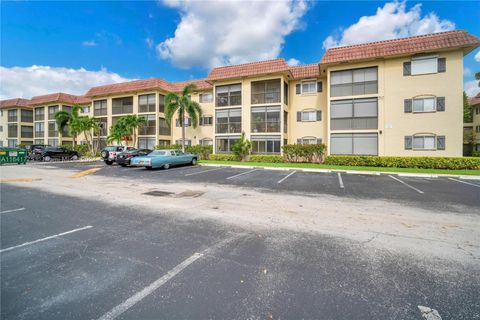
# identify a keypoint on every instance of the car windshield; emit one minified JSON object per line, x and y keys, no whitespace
{"x":111,"y":148}
{"x":158,"y":153}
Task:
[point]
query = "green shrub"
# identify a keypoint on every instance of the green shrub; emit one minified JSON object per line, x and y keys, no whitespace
{"x":476,"y":153}
{"x":21,"y":146}
{"x":169,"y":146}
{"x":304,"y":152}
{"x":224,"y":157}
{"x":82,"y":149}
{"x":242,"y":147}
{"x":202,"y":151}
{"x":449,"y":163}
{"x":266,"y":158}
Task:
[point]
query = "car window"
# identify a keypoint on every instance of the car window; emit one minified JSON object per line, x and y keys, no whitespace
{"x":159,"y":153}
{"x":180,"y":153}
{"x":110,"y":148}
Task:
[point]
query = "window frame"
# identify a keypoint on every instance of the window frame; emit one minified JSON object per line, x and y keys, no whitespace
{"x":423,"y":136}
{"x":422,"y":58}
{"x":434,"y":107}
{"x":201,"y":97}
{"x":308,"y":81}
{"x":102,"y":110}
{"x":148,"y":106}
{"x":228,"y":95}
{"x":228,"y":123}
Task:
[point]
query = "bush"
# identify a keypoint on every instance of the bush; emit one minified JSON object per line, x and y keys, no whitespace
{"x":304,"y":152}
{"x":449,"y":163}
{"x":224,"y":157}
{"x":266,"y":158}
{"x":242,"y":147}
{"x":169,"y":146}
{"x":476,"y":153}
{"x":202,"y":151}
{"x":82,"y":149}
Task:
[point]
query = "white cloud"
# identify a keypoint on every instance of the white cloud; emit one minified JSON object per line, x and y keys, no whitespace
{"x":149,"y":42}
{"x":471,"y":87}
{"x":467,"y":72}
{"x":216,"y":33}
{"x":390,"y":22}
{"x":293,"y":62}
{"x":477,"y":56}
{"x":26,"y":82}
{"x":89,"y":43}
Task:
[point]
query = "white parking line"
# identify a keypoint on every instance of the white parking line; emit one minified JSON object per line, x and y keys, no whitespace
{"x":241,"y":174}
{"x":127,"y":304}
{"x":43,"y":239}
{"x":469,"y":183}
{"x":13,"y":210}
{"x":406,"y":184}
{"x":194,"y":173}
{"x":288,"y":175}
{"x":340,"y":181}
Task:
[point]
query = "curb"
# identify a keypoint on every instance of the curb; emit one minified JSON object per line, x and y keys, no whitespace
{"x":68,"y":161}
{"x":356,"y":172}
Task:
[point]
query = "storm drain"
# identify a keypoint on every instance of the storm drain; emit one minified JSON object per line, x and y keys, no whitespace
{"x":189,"y":194}
{"x":158,"y":193}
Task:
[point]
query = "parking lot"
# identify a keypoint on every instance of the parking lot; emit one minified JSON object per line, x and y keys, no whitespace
{"x":69,"y":254}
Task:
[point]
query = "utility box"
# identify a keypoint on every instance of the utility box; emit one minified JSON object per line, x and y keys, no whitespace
{"x":13,"y":155}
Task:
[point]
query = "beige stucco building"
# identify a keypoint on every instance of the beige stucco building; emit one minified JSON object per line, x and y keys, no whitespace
{"x":390,"y":98}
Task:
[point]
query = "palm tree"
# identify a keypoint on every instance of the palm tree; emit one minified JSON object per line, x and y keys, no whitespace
{"x":90,"y":128}
{"x":131,"y":124}
{"x":182,"y":105}
{"x":70,"y":120}
{"x":62,"y":118}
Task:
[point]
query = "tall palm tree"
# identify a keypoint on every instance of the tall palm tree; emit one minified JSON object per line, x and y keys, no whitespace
{"x":183,"y":106}
{"x":70,"y":120}
{"x":90,"y":128}
{"x":131,"y":124}
{"x":62,"y":118}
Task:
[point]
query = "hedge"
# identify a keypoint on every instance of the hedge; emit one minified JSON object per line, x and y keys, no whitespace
{"x":467,"y":163}
{"x":202,"y":151}
{"x":304,"y":152}
{"x":266,"y":158}
{"x":224,"y":157}
{"x":476,"y":153}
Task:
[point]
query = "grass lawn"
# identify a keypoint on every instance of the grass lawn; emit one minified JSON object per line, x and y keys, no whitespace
{"x":333,"y":167}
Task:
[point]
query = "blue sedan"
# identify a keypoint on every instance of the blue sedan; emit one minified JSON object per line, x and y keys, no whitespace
{"x":164,"y":159}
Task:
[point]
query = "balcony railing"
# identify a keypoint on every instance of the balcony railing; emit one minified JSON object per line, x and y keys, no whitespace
{"x":164,"y":131}
{"x":263,"y":126}
{"x":229,"y":100}
{"x":232,"y":127}
{"x":265,"y":97}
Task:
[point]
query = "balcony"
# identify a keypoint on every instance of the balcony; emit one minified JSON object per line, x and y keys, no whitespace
{"x":232,"y":127}
{"x":263,"y":126}
{"x":224,"y":100}
{"x":265,"y":97}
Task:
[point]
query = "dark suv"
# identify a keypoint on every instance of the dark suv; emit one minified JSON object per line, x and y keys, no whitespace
{"x":125,"y":157}
{"x":50,"y":153}
{"x":35,"y":151}
{"x":109,"y":153}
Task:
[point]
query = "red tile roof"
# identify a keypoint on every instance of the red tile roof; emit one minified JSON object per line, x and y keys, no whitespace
{"x":17,"y":102}
{"x":130,"y":86}
{"x":305,"y":71}
{"x":82,"y":100}
{"x":200,"y":83}
{"x":404,"y":46}
{"x":249,"y":69}
{"x":474,"y":101}
{"x":58,"y":97}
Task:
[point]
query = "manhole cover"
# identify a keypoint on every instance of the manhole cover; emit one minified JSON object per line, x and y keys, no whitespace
{"x":158,"y":193}
{"x":190,"y":194}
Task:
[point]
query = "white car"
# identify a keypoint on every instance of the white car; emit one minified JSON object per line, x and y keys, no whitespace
{"x":109,"y":153}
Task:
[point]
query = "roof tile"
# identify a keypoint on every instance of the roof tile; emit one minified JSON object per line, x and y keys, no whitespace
{"x":248,"y":69}
{"x":17,"y":102}
{"x":305,"y":71}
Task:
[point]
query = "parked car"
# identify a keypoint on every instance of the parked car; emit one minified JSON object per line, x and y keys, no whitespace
{"x":164,"y":159}
{"x":125,"y":157}
{"x":35,"y":151}
{"x":50,"y":153}
{"x":109,"y":153}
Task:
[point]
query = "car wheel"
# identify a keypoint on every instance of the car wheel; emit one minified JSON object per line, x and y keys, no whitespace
{"x":47,"y":158}
{"x":104,"y":154}
{"x":148,"y":168}
{"x":109,"y":162}
{"x":166,"y":166}
{"x":194,"y":161}
{"x":74,"y":157}
{"x":123,"y":165}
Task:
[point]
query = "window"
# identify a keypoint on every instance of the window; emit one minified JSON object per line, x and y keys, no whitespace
{"x":309,"y":115}
{"x":51,"y":112}
{"x":122,"y":105}
{"x":150,"y":127}
{"x":1,"y":128}
{"x":285,"y":121}
{"x":267,"y":91}
{"x":102,"y":122}
{"x":38,"y":141}
{"x":53,"y":142}
{"x":52,"y":129}
{"x":39,"y":113}
{"x":206,"y":97}
{"x":309,"y":86}
{"x":206,"y":142}
{"x":353,"y":82}
{"x":161,"y":103}
{"x":477,"y":110}
{"x":27,"y":115}
{"x":39,"y":129}
{"x":309,"y":140}
{"x":206,"y":121}
{"x":26,"y":132}
{"x":224,"y":144}
{"x":188,"y":122}
{"x":477,"y":129}
{"x":354,"y":114}
{"x":424,"y":105}
{"x":12,"y":143}
{"x":12,"y":115}
{"x":229,"y":95}
{"x":354,"y":143}
{"x":12,"y":130}
{"x":146,"y":103}
{"x":265,"y":119}
{"x":85,"y":109}
{"x":229,"y":121}
{"x":163,"y":142}
{"x":100,"y":108}
{"x":265,"y":144}
{"x":285,"y":93}
{"x":423,"y":143}
{"x":164,"y":129}
{"x":187,"y":142}
{"x":424,"y":65}
{"x":67,"y":109}
{"x":146,"y":143}
{"x":99,"y":143}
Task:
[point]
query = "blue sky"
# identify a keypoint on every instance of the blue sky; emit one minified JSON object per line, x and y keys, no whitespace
{"x":104,"y":42}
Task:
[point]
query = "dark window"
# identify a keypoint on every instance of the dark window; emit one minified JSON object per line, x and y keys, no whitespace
{"x":164,"y":129}
{"x":39,"y":113}
{"x":229,"y":95}
{"x":224,"y":144}
{"x":206,"y":121}
{"x":122,"y":105}
{"x":51,"y":112}
{"x":161,"y":103}
{"x":354,"y":114}
{"x":52,"y":129}
{"x":229,"y":121}
{"x":12,"y":130}
{"x":12,"y":115}
{"x":27,"y":115}
{"x":100,"y":108}
{"x":26,"y":132}
{"x":146,"y":103}
{"x":102,"y":123}
{"x":67,"y":109}
{"x":285,"y":93}
{"x":146,"y":143}
{"x":39,"y":129}
{"x":354,"y":143}
{"x":150,"y":127}
{"x":353,"y":82}
{"x":163,"y":142}
{"x":285,"y":121}
{"x":266,"y":144}
{"x":267,"y":91}
{"x":265,"y":119}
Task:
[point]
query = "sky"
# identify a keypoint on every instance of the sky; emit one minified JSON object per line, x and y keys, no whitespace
{"x":70,"y":46}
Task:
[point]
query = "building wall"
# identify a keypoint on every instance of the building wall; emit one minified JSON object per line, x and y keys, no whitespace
{"x":4,"y":136}
{"x":476,"y":125}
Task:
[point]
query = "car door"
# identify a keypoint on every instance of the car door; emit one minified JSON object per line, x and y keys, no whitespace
{"x":182,"y":157}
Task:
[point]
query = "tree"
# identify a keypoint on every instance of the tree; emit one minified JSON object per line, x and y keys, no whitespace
{"x":125,"y":129}
{"x":183,"y":106}
{"x":89,"y":127}
{"x":70,"y":120}
{"x":242,"y":147}
{"x":62,"y":118}
{"x":477,"y":76}
{"x":467,"y":111}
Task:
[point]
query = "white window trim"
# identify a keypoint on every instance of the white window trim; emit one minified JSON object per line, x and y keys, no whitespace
{"x":423,"y":135}
{"x":309,"y":111}
{"x":424,"y":58}
{"x":308,"y":80}
{"x":423,"y":98}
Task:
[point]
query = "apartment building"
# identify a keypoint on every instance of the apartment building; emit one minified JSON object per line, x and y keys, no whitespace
{"x":475,"y":105}
{"x":398,"y":97}
{"x":16,"y":122}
